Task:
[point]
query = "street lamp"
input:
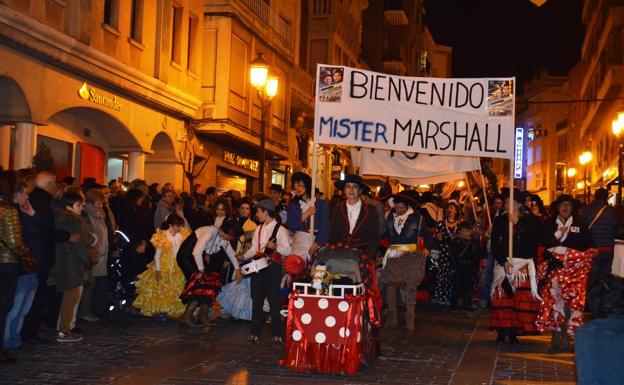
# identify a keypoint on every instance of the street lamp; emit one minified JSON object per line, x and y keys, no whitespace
{"x":584,"y":159}
{"x":617,"y":126}
{"x":266,"y":87}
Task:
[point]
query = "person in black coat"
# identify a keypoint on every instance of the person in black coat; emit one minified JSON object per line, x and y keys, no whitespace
{"x":355,"y":224}
{"x":42,"y":236}
{"x":404,"y":262}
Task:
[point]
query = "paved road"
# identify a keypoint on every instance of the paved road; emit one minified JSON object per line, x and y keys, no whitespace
{"x":446,"y":348}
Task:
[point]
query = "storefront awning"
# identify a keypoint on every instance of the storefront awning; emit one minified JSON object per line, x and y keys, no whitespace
{"x":231,"y":141}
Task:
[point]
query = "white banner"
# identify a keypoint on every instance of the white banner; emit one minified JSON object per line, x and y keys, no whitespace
{"x":407,"y":165}
{"x":473,"y":117}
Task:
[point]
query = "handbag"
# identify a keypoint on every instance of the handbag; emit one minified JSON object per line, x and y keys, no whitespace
{"x":26,"y":263}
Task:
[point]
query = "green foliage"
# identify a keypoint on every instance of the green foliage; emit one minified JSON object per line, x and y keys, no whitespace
{"x":43,"y":161}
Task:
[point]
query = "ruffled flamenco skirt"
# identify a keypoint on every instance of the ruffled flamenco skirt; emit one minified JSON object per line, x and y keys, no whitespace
{"x":159,"y":297}
{"x":235,"y":299}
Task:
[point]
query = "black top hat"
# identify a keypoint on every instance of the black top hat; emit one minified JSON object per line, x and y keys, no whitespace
{"x":519,"y":196}
{"x":317,"y":191}
{"x":351,"y":178}
{"x":275,"y":187}
{"x":409,"y":197}
{"x":565,"y":198}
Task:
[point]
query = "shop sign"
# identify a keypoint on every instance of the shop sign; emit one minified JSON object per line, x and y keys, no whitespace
{"x":519,"y":152}
{"x":336,"y":169}
{"x":93,"y":95}
{"x":235,"y":159}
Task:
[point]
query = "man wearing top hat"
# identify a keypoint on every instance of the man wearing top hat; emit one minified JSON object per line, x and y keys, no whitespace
{"x":355,"y":224}
{"x":404,"y":262}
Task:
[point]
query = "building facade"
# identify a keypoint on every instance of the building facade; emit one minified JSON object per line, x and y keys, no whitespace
{"x":234,"y":33}
{"x":108,"y":87}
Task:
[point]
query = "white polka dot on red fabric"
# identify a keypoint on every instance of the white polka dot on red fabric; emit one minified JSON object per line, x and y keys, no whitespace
{"x":323,"y":303}
{"x":344,"y":332}
{"x":299,"y":303}
{"x":343,"y":306}
{"x":359,"y":337}
{"x":306,"y":318}
{"x":330,"y":321}
{"x":296,"y":335}
{"x":320,"y":337}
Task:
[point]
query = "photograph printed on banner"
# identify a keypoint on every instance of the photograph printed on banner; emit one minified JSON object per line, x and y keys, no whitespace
{"x":330,"y":84}
{"x":500,"y":97}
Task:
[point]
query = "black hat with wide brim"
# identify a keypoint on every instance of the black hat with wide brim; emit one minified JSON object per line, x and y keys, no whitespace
{"x":409,"y":197}
{"x":566,"y":198}
{"x":351,"y":178}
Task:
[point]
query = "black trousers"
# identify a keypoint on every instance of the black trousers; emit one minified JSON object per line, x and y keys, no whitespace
{"x":8,"y":282}
{"x":266,"y":284}
{"x":601,"y":267}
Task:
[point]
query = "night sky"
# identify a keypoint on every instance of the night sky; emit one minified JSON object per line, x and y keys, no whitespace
{"x":507,"y":37}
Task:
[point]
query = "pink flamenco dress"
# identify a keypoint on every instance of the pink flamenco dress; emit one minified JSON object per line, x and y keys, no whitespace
{"x":155,"y":298}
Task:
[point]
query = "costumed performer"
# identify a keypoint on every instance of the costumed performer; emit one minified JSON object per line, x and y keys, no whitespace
{"x":159,"y":286}
{"x":355,"y":224}
{"x":515,"y":298}
{"x":203,"y":283}
{"x":270,"y":240}
{"x":405,"y":258}
{"x":300,"y":210}
{"x":567,"y":267}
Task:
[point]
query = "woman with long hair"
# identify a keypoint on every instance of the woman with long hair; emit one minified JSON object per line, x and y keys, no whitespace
{"x":446,"y":233}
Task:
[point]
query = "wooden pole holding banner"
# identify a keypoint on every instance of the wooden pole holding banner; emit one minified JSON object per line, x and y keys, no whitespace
{"x":485,"y":198}
{"x":472,"y":204}
{"x":314,"y":144}
{"x":511,"y":186}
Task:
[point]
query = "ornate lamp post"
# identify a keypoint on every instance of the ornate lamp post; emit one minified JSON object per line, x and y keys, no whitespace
{"x":266,"y":87}
{"x":584,"y":159}
{"x":617,"y":126}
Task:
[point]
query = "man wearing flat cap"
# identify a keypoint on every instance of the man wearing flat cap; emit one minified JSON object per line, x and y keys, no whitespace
{"x":270,"y":240}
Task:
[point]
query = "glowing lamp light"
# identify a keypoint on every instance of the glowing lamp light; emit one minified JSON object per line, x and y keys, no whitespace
{"x":579,"y":185}
{"x":258,"y":72}
{"x":585,"y":158}
{"x":424,"y":186}
{"x":461,"y":184}
{"x":571,"y":172}
{"x":271,"y":86}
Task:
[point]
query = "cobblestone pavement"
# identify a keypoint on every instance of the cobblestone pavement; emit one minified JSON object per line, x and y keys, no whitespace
{"x":446,"y":348}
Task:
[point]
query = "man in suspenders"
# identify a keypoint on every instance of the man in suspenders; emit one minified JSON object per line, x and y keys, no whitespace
{"x":270,"y":240}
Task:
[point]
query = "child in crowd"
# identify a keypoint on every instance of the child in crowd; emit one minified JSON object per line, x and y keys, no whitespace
{"x":160,"y":285}
{"x":465,"y":260}
{"x":72,"y":264}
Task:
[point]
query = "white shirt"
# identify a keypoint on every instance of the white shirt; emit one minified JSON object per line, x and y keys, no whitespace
{"x":261,"y":238}
{"x":209,"y":241}
{"x":176,"y":241}
{"x":353,"y":213}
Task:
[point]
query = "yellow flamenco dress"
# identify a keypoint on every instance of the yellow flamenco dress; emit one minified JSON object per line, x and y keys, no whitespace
{"x":162,"y":297}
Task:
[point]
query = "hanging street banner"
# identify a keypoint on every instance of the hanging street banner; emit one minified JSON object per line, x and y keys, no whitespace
{"x":469,"y":117}
{"x":411,"y":166}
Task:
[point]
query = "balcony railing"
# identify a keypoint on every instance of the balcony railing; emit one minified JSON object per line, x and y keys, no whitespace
{"x":263,"y":11}
{"x":395,"y":12}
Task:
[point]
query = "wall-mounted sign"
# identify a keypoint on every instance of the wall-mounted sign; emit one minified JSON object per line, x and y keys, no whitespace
{"x":235,"y":159}
{"x":336,"y":169}
{"x":519,"y":152}
{"x":93,"y":95}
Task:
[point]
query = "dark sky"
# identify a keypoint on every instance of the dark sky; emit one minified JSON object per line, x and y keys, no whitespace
{"x":507,"y":37}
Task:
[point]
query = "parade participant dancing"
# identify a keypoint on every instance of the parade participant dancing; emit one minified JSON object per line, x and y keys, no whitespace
{"x":159,"y":286}
{"x":300,"y":210}
{"x":514,"y":309}
{"x":404,"y":262}
{"x":567,"y":268}
{"x":203,"y":284}
{"x":270,"y":240}
{"x":355,"y":224}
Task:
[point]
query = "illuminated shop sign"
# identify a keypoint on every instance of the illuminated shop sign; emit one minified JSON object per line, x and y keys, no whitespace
{"x":235,"y":159}
{"x":518,"y":153}
{"x":93,"y":95}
